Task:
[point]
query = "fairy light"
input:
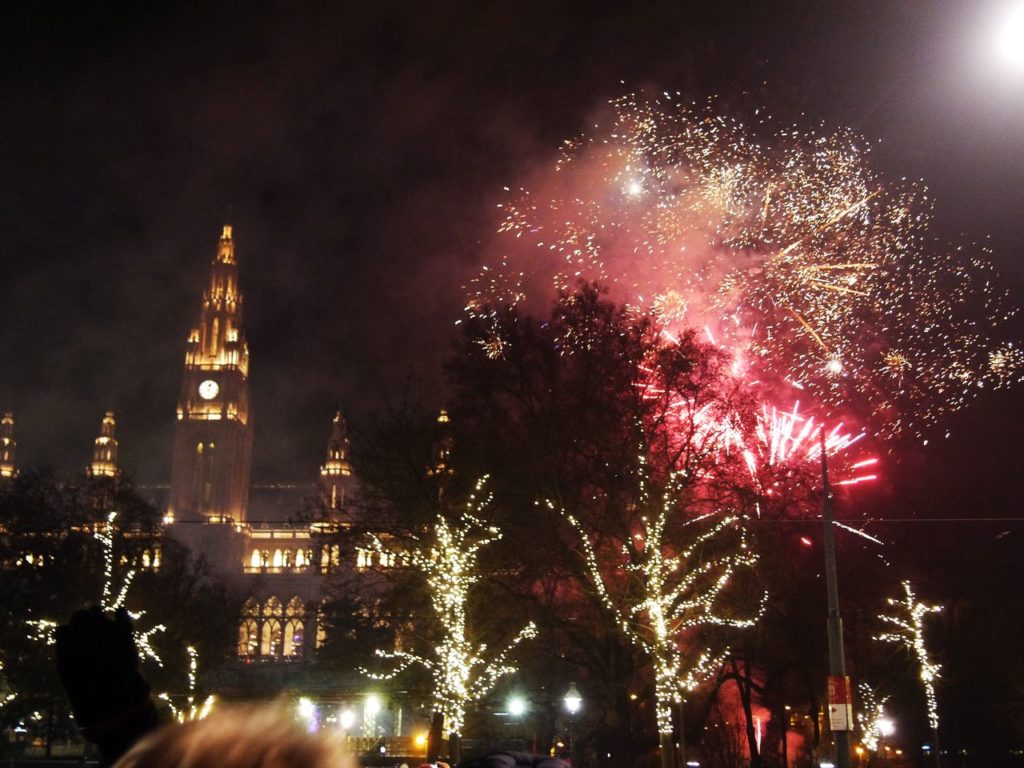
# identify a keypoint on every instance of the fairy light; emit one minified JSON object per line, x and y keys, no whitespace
{"x":190,"y":711}
{"x":105,"y":535}
{"x":463,"y":671}
{"x":45,"y":631}
{"x":908,"y":632}
{"x":8,"y":697}
{"x":872,"y":718}
{"x":678,"y":590}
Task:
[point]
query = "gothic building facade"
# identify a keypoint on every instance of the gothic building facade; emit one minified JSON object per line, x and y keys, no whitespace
{"x":281,"y":568}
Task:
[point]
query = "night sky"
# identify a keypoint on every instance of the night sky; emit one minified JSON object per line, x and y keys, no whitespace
{"x":359,"y":150}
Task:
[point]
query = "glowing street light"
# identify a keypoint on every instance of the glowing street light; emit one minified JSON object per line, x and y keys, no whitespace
{"x":516,"y":706}
{"x":1010,"y":37}
{"x":371,"y":707}
{"x":310,"y":714}
{"x":346,"y":719}
{"x":572,"y":699}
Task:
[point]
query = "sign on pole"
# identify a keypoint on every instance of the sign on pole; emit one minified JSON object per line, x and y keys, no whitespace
{"x":840,"y":704}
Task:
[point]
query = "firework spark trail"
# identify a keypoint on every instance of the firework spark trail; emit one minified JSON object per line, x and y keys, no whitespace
{"x":789,"y":248}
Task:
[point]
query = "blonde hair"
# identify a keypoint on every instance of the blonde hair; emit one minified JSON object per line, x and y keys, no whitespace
{"x":238,"y":737}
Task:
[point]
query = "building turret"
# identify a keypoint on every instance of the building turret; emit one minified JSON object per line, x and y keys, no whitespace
{"x":336,"y":472}
{"x":7,"y":446}
{"x":104,"y":452}
{"x":213,"y":435}
{"x":442,"y":447}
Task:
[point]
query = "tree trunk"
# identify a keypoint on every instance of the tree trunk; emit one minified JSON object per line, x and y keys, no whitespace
{"x":434,"y":737}
{"x":743,"y":683}
{"x":454,"y":748}
{"x":49,"y":728}
{"x":668,"y":752}
{"x":784,"y":730}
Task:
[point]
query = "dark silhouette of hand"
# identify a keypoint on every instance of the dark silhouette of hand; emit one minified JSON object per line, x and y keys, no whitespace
{"x":98,"y":666}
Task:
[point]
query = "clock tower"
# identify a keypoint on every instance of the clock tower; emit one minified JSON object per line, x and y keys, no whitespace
{"x":213,"y":433}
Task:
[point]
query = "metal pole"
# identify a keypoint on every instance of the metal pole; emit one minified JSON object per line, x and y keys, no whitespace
{"x":836,"y":657}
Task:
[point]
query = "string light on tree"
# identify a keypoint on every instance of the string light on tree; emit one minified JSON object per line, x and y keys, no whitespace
{"x":908,"y":632}
{"x":8,"y":697}
{"x":190,"y":711}
{"x":462,"y":670}
{"x":105,"y":535}
{"x":44,"y":630}
{"x":874,"y":724}
{"x":674,"y":589}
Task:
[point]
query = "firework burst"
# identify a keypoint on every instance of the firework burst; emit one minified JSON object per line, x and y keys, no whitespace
{"x":788,"y":247}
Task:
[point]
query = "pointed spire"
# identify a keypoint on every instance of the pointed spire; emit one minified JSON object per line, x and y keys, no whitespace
{"x":104,"y":454}
{"x":226,"y":247}
{"x":7,"y":446}
{"x":218,"y":341}
{"x":442,"y":447}
{"x":336,"y":468}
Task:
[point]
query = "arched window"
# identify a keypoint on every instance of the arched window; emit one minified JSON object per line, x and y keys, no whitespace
{"x":271,"y":635}
{"x":203,"y":477}
{"x":294,"y":628}
{"x":248,"y":638}
{"x":248,"y":629}
{"x":278,"y":558}
{"x":300,"y":558}
{"x":270,"y":639}
{"x":255,"y":561}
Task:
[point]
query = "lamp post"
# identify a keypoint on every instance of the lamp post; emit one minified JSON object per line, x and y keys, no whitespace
{"x":839,"y":689}
{"x":516,"y":706}
{"x":573,"y":701}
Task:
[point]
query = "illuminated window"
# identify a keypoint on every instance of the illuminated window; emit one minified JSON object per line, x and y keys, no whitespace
{"x":214,"y":334}
{"x":271,"y":635}
{"x":364,"y":558}
{"x":248,"y":629}
{"x":294,"y":628}
{"x":255,"y":561}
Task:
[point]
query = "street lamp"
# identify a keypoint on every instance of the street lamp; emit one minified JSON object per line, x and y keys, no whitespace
{"x":573,"y":701}
{"x":1010,"y":37}
{"x":516,"y":706}
{"x":346,"y":719}
{"x":371,"y":708}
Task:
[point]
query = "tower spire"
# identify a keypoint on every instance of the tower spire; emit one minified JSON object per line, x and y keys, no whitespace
{"x":104,"y":452}
{"x":7,"y":446}
{"x":213,"y":435}
{"x":336,"y":470}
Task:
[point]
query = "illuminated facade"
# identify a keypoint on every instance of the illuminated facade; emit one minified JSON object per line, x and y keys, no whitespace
{"x":336,"y":472}
{"x":212,"y":451}
{"x":280,"y":567}
{"x":8,"y":468}
{"x":104,"y":452}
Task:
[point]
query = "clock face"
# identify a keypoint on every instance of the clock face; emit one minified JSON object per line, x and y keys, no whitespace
{"x":208,"y":389}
